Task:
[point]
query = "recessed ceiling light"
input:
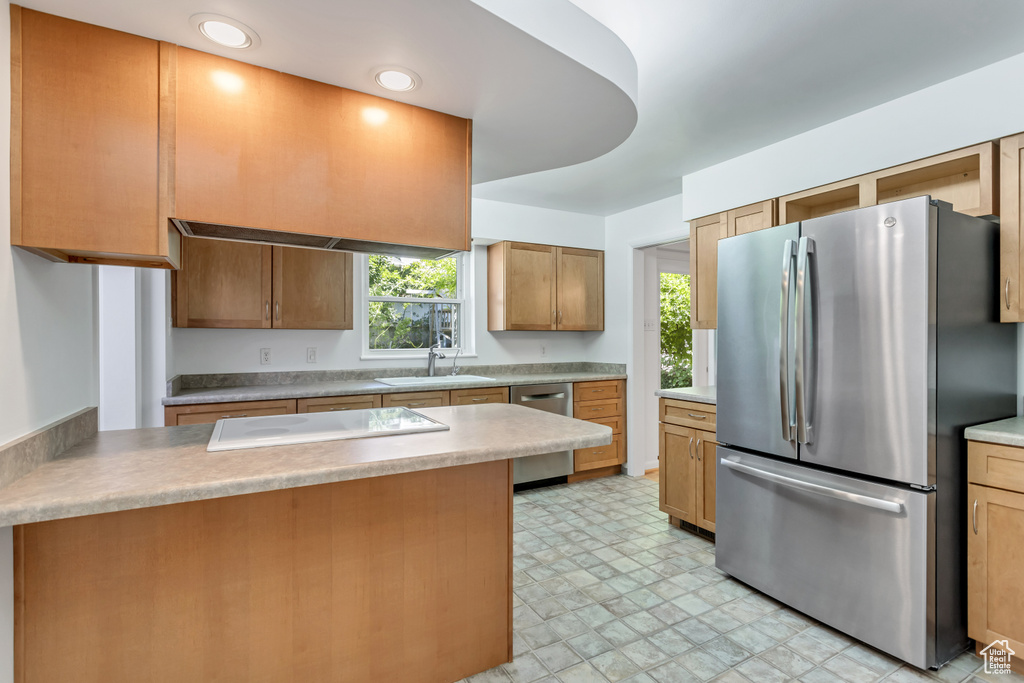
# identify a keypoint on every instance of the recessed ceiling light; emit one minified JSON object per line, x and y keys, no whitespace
{"x":225,"y":31}
{"x":396,"y":78}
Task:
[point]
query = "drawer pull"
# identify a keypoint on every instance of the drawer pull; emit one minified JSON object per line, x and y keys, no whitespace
{"x":333,"y":409}
{"x":598,"y":452}
{"x":698,"y":416}
{"x":417,"y":403}
{"x":231,"y":416}
{"x":597,"y":391}
{"x":482,"y":398}
{"x":594,"y":409}
{"x":974,"y":517}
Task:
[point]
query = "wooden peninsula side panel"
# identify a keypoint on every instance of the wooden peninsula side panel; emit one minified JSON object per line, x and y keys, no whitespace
{"x":404,"y":577}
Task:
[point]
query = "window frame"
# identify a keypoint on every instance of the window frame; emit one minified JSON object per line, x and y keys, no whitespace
{"x":467,"y":329}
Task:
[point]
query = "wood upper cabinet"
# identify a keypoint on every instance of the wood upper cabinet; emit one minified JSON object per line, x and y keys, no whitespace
{"x":704,"y":235}
{"x":1011,"y":202}
{"x":687,"y":471}
{"x":751,"y":218}
{"x":995,"y":545}
{"x":259,"y":148}
{"x":238,"y":285}
{"x":88,"y":174}
{"x":543,"y":287}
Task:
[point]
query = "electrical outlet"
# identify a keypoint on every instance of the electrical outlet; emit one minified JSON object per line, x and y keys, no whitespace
{"x":310,"y":354}
{"x":543,"y":350}
{"x":652,"y":324}
{"x":264,"y":356}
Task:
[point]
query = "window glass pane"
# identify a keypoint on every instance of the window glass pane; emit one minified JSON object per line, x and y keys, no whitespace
{"x":398,"y":325}
{"x":406,"y":277}
{"x":676,"y":336}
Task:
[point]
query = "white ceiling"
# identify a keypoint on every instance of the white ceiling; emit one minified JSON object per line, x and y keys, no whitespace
{"x":718,"y":78}
{"x":549,"y":86}
{"x":535,"y":104}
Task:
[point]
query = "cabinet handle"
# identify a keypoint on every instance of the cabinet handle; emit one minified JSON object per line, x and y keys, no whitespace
{"x":974,"y":517}
{"x":417,"y":403}
{"x":594,"y":409}
{"x":482,"y":398}
{"x":559,"y":317}
{"x":704,"y":417}
{"x":597,"y":391}
{"x":1006,"y":295}
{"x":277,"y":309}
{"x":598,"y":452}
{"x":698,"y":450}
{"x":689,"y":448}
{"x":230,"y":416}
{"x":268,"y":309}
{"x":333,"y":409}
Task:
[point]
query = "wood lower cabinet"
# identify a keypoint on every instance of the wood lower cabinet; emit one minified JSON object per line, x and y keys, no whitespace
{"x":225,"y":284}
{"x":544,"y":287}
{"x":330,"y":404}
{"x":473,"y":397}
{"x":687,"y":471}
{"x":995,"y":545}
{"x":208,"y":413}
{"x":604,"y":403}
{"x":89,"y":181}
{"x":417,"y":399}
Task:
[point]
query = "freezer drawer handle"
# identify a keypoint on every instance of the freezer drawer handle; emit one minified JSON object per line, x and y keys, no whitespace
{"x":541,"y":397}
{"x":788,"y":252}
{"x":867,"y":501}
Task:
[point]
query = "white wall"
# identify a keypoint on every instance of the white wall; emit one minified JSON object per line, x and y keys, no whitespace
{"x":197,"y":351}
{"x":47,"y":342}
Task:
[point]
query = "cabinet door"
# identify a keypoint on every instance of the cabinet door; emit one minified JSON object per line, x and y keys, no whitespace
{"x":223,"y":284}
{"x":250,"y":145}
{"x":704,"y":235}
{"x":579,"y":278}
{"x":85,"y":155}
{"x":312,"y":289}
{"x":529,"y":286}
{"x":995,"y":566}
{"x":706,"y":466}
{"x":1011,"y":180}
{"x":751,"y":218}
{"x":677,"y":477}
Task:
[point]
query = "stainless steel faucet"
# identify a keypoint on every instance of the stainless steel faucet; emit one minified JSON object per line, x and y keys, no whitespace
{"x":432,"y":356}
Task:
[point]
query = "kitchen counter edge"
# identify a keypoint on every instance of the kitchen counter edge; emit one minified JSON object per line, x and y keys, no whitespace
{"x":1008,"y":432}
{"x":696,"y":394}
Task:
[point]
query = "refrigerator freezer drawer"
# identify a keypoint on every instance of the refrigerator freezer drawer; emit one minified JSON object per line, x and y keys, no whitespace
{"x":854,"y":554}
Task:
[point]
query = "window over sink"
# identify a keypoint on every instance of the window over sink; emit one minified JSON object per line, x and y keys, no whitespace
{"x":412,"y":304}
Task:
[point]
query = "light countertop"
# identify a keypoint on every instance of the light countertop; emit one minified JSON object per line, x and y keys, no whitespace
{"x":696,"y":394}
{"x":368,"y":386}
{"x":1009,"y":432}
{"x":137,"y":468}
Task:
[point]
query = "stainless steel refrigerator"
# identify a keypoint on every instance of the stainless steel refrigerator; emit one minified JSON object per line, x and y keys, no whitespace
{"x":853,"y":350}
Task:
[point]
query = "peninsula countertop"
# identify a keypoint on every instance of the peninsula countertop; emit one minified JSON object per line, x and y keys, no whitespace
{"x":138,"y":468}
{"x":1008,"y":432}
{"x":696,"y":394}
{"x":266,"y":392}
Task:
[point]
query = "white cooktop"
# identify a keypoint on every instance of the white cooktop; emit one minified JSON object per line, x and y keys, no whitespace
{"x":284,"y":430}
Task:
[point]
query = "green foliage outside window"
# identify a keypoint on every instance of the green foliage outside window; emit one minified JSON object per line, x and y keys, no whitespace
{"x":676,"y":336}
{"x":412,"y":325}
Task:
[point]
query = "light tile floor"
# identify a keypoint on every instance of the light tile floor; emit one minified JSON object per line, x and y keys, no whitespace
{"x":606,"y":590}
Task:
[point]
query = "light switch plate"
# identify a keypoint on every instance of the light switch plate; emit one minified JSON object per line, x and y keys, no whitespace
{"x":310,"y":354}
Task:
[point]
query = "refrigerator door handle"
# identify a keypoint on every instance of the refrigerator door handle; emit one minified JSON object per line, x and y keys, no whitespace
{"x":804,"y":341}
{"x":788,"y":252}
{"x":810,"y":487}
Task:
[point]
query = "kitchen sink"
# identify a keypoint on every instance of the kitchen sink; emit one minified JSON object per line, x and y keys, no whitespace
{"x":442,"y":379}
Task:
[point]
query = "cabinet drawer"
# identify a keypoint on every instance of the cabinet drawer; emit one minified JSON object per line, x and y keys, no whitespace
{"x":599,"y":456}
{"x":208,"y":413}
{"x":472,"y":397}
{"x":591,"y":391}
{"x":327,"y":404}
{"x":688,"y":414}
{"x":590,"y":410}
{"x":995,"y":465}
{"x":616,"y":423}
{"x":416,"y":399}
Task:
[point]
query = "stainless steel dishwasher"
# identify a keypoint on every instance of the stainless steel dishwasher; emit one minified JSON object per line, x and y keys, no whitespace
{"x":553,"y":398}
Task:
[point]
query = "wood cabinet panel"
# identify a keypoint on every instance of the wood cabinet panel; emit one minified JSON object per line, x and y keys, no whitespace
{"x":471,"y":397}
{"x":751,"y":218}
{"x":579,"y":282}
{"x":85,"y":152}
{"x":826,"y":200}
{"x":601,"y":402}
{"x":688,"y":414}
{"x":395,"y":578}
{"x":312,"y":289}
{"x":966,"y":178}
{"x":592,"y":410}
{"x":704,"y":235}
{"x":416,"y":399}
{"x":677,"y":476}
{"x":995,"y":465}
{"x":328,"y":404}
{"x":208,"y":413}
{"x":222,"y":284}
{"x":1011,"y":203}
{"x":995,"y":566}
{"x":599,"y":456}
{"x":705,"y":484}
{"x":589,"y":391}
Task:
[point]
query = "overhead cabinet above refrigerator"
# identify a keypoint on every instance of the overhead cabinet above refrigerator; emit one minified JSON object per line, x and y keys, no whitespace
{"x":853,"y":350}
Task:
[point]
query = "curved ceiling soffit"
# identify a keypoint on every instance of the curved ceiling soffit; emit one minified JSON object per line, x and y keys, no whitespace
{"x":546,"y":84}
